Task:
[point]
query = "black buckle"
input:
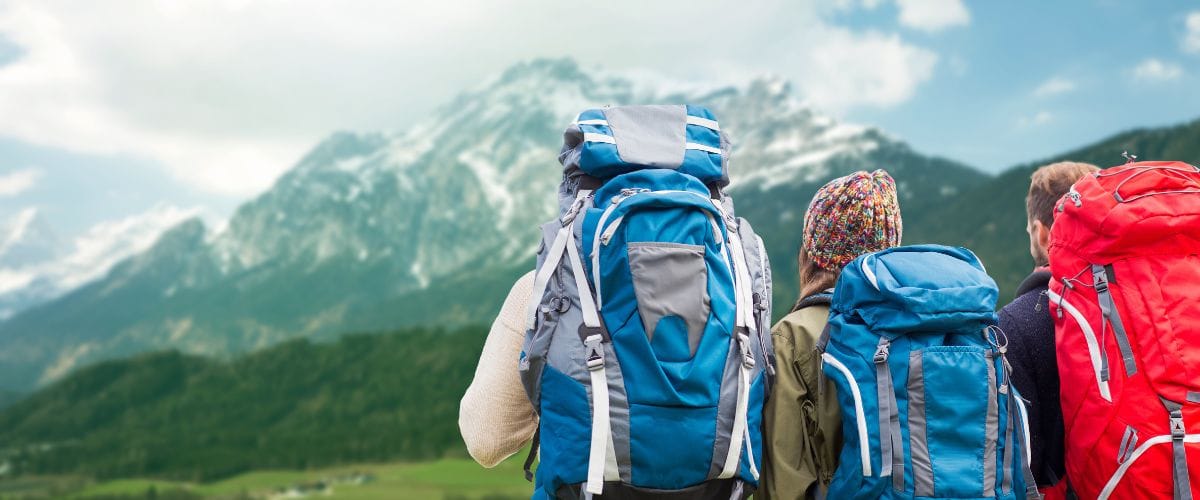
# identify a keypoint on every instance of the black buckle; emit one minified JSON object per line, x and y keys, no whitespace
{"x":587,"y":331}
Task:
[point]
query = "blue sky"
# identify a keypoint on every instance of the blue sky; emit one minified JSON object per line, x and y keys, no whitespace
{"x":1025,"y":80}
{"x":133,"y":106}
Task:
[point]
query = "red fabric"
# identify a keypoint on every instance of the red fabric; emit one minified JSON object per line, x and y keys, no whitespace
{"x":1056,"y":492}
{"x":1143,"y":219}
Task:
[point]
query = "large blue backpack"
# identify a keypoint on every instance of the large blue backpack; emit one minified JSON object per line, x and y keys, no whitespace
{"x":644,"y":356}
{"x":918,"y":362}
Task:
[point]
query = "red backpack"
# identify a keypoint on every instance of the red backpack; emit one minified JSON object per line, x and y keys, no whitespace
{"x":1125,"y":254}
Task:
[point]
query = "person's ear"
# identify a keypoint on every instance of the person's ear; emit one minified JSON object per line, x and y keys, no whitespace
{"x":1042,"y":232}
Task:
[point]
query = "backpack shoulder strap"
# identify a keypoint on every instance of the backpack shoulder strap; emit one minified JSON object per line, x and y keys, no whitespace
{"x":822,"y":298}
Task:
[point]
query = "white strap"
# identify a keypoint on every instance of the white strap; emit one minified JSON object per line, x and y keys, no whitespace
{"x":600,"y":426}
{"x":690,"y":145}
{"x":744,"y":319}
{"x":691,"y":120}
{"x":542,"y":279}
{"x":738,"y":433}
{"x":737,"y":438}
{"x":589,"y":137}
{"x":750,"y":450}
{"x":601,"y":456}
{"x":611,"y":472}
{"x":586,"y":303}
{"x":703,"y":122}
{"x":743,"y":295}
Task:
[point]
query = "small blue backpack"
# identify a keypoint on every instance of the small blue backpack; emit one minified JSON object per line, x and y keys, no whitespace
{"x":646,"y":354}
{"x":927,"y":408}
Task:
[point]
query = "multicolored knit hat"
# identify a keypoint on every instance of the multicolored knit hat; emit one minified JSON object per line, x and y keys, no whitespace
{"x":850,"y":216}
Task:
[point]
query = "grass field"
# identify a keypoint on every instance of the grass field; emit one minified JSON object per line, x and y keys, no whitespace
{"x":449,"y":479}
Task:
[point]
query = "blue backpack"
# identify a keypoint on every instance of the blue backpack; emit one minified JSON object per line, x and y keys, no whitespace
{"x":644,"y":356}
{"x":927,"y":408}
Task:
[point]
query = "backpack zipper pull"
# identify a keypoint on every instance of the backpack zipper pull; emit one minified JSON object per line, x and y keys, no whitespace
{"x":611,"y":230}
{"x":1075,"y":197}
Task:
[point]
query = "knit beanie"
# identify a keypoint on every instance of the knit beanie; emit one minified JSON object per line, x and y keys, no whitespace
{"x":850,"y":216}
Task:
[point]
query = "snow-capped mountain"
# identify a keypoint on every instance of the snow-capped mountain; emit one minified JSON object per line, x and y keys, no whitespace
{"x":431,"y":225}
{"x":27,"y":239}
{"x":36,"y":265}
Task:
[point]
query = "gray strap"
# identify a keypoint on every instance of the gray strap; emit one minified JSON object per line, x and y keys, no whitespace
{"x":1031,"y":491}
{"x":1031,"y":485}
{"x":1102,"y":276}
{"x":917,"y":441}
{"x":897,"y":445}
{"x":1183,"y":485}
{"x":1129,"y":442}
{"x":991,"y":430}
{"x":885,"y":392}
{"x":1010,"y":446}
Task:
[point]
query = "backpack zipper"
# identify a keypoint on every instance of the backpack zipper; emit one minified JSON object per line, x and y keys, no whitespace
{"x":1075,"y":197}
{"x":602,"y":231}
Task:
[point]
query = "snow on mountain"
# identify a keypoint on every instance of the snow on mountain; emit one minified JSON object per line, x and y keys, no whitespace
{"x":483,"y":170}
{"x":378,"y":230}
{"x":36,"y":265}
{"x":27,"y":239}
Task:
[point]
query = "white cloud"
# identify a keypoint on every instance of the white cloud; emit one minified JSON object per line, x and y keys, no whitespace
{"x":1040,"y":118}
{"x":227,"y":95}
{"x":1153,"y":70}
{"x":1191,"y":39}
{"x":933,"y":15}
{"x":871,"y":68}
{"x":1054,"y":86}
{"x":18,"y":181}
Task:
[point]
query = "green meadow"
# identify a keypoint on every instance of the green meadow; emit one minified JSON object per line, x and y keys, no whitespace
{"x":449,"y":479}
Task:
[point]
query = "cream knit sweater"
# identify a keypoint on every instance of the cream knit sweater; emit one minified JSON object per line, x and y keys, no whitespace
{"x":495,"y":417}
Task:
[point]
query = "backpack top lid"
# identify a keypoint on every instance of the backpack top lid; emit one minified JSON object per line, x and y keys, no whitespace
{"x":610,"y":141}
{"x":919,"y":288}
{"x":1142,"y":208}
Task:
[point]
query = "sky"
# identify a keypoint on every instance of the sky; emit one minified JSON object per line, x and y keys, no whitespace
{"x":125,"y":107}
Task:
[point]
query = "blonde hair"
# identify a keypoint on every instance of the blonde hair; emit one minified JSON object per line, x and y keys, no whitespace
{"x":1048,"y":184}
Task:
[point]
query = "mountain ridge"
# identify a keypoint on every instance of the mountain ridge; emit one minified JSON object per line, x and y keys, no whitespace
{"x":382,"y":230}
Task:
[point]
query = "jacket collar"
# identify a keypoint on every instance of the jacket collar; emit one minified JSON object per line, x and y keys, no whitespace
{"x":1039,"y":278}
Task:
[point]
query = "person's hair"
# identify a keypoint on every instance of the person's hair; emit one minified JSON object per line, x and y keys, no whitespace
{"x":814,"y":278}
{"x":1048,"y":184}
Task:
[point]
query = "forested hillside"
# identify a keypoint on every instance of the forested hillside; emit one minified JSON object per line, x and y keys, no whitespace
{"x":990,"y":219}
{"x":390,"y":396}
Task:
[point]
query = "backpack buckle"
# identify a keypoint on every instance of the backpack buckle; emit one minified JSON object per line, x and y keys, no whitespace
{"x":595,"y":352}
{"x":1178,"y":430}
{"x":881,"y":351}
{"x":743,"y":338}
{"x":1101,"y":280}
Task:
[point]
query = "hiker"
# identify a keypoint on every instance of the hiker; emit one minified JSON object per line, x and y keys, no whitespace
{"x":495,"y":417}
{"x":849,"y":216}
{"x":1030,"y":329}
{"x":1125,"y":259}
{"x":645,"y":366}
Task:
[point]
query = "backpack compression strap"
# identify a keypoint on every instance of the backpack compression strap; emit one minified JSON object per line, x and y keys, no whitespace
{"x":591,"y":332}
{"x":744,"y":324}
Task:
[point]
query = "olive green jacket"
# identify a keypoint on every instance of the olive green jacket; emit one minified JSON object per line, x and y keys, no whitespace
{"x":802,"y":426}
